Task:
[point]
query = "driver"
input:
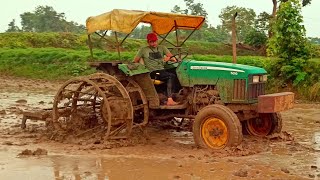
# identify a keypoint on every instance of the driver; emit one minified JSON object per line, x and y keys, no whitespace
{"x":154,"y":56}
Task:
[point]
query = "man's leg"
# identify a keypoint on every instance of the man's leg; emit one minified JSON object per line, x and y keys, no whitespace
{"x":170,"y":79}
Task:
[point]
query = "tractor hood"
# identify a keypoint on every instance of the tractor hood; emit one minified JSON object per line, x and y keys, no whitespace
{"x":191,"y":72}
{"x":240,"y":70}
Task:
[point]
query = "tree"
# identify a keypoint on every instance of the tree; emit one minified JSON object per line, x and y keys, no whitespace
{"x":314,"y":40}
{"x":290,"y":35}
{"x":46,"y":19}
{"x":12,"y":27}
{"x":140,"y":32}
{"x":304,"y":2}
{"x":289,"y":42}
{"x":192,"y":8}
{"x":206,"y":33}
{"x":245,"y":20}
{"x":262,"y":22}
{"x":274,"y":12}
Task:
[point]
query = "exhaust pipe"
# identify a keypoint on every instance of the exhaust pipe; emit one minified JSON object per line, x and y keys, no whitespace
{"x":234,"y":39}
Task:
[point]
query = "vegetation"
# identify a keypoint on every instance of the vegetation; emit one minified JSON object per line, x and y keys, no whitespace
{"x":45,"y":19}
{"x":47,"y":46}
{"x":44,"y":63}
{"x":289,"y":42}
{"x":62,"y":63}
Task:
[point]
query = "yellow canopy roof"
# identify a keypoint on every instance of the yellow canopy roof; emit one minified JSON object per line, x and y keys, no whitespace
{"x":125,"y":21}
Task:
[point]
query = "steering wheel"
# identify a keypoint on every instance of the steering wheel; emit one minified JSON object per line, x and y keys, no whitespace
{"x":176,"y":56}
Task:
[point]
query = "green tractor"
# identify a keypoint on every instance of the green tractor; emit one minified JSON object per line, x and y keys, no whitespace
{"x":222,"y":99}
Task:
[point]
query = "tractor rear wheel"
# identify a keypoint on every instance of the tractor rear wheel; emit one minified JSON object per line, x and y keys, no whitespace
{"x":217,"y":127}
{"x":97,"y":103}
{"x":265,"y":124}
{"x":139,"y":102}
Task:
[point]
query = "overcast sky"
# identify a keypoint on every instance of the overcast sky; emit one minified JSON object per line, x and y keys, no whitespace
{"x":78,"y":10}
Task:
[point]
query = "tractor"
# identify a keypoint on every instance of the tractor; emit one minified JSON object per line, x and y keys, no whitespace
{"x":222,"y":100}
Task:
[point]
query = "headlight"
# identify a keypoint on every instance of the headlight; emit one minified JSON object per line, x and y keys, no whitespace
{"x":255,"y":79}
{"x":264,"y":78}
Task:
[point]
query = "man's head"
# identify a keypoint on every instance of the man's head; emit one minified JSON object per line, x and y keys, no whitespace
{"x":152,"y":39}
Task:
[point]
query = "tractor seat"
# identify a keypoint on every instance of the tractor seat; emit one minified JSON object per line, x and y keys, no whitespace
{"x":157,"y":82}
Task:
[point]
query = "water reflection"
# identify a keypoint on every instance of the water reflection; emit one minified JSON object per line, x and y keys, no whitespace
{"x":317,"y":141}
{"x":33,"y":99}
{"x":77,"y":168}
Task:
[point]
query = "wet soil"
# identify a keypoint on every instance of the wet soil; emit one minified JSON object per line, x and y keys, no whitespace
{"x":161,"y":153}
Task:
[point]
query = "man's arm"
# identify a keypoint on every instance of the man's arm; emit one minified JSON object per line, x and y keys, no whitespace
{"x":169,"y":58}
{"x":138,"y":56}
{"x":168,"y":55}
{"x":136,"y":59}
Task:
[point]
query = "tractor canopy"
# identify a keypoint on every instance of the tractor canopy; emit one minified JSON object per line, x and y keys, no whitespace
{"x":125,"y":21}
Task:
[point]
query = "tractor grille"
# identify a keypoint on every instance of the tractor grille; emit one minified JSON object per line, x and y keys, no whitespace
{"x":255,"y":90}
{"x":239,"y":89}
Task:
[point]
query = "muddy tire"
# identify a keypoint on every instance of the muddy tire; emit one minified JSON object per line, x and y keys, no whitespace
{"x":266,"y":124}
{"x":277,"y":123}
{"x":217,"y":127}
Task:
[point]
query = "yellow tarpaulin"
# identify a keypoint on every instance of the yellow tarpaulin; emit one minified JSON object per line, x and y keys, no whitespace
{"x":126,"y":20}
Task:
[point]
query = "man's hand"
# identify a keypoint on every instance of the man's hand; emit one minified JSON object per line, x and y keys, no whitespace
{"x":170,"y":58}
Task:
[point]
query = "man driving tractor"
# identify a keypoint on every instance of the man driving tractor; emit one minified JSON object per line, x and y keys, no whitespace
{"x":154,"y":56}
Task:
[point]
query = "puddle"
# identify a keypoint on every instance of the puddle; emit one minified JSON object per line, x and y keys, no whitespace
{"x":170,"y":154}
{"x":27,"y":100}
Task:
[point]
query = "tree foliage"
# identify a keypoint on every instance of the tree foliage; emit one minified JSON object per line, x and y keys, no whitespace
{"x":255,"y":37}
{"x":262,"y":22}
{"x":314,"y":40}
{"x":289,"y":42}
{"x":245,"y":20}
{"x":46,"y":19}
{"x":12,"y":27}
{"x":141,"y":32}
{"x":207,"y":32}
{"x":192,"y":8}
{"x":304,"y":2}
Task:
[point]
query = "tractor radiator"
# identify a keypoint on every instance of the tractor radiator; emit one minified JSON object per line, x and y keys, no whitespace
{"x":239,"y":89}
{"x":255,"y":90}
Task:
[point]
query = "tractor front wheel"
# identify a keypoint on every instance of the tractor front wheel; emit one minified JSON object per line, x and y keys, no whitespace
{"x":265,"y":124}
{"x":217,"y":127}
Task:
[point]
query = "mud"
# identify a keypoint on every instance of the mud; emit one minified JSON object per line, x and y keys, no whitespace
{"x":163,"y":151}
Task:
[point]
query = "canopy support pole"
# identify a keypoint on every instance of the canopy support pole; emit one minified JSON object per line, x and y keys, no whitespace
{"x":177,"y":38}
{"x":165,"y":37}
{"x":118,"y":45}
{"x":90,"y":46}
{"x":192,"y":32}
{"x":102,"y":37}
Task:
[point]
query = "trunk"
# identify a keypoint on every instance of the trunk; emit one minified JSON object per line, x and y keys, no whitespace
{"x":273,"y":17}
{"x":274,"y":10}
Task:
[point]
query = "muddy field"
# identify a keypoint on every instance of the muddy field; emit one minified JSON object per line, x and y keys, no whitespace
{"x":161,"y":153}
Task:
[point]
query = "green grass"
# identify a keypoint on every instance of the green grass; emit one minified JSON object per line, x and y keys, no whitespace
{"x":63,"y":55}
{"x":44,"y":63}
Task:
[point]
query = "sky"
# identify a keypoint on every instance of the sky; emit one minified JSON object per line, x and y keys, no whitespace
{"x":78,"y":10}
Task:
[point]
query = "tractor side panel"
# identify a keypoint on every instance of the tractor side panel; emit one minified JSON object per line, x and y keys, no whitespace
{"x":182,"y":74}
{"x":223,"y":78}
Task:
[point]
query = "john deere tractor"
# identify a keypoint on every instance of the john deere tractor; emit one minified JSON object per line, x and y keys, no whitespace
{"x":221,"y":99}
